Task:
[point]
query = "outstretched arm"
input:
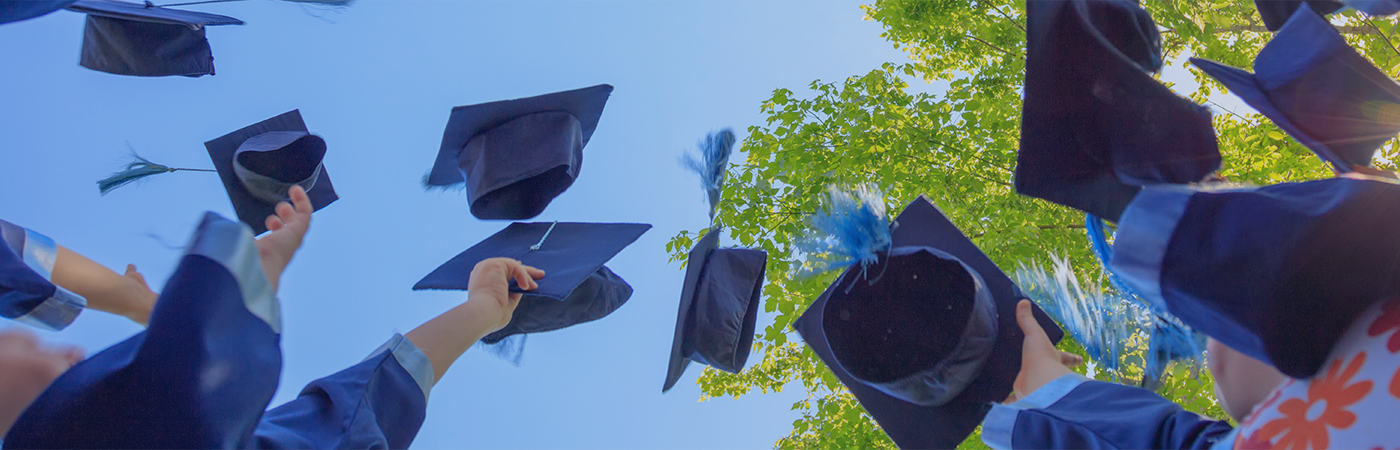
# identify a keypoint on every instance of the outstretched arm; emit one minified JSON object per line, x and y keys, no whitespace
{"x":105,"y":290}
{"x":488,"y":308}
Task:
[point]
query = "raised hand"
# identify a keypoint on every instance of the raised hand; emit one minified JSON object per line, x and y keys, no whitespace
{"x":286,"y":229}
{"x":489,"y":288}
{"x":1041,"y":363}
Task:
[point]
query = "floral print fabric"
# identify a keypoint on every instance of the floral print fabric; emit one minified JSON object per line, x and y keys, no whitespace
{"x":1352,"y":403}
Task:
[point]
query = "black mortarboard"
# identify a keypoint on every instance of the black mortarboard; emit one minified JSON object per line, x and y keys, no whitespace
{"x":718,"y":309}
{"x":947,"y":339}
{"x":1095,"y":125}
{"x":260,"y":162}
{"x":1318,"y":89}
{"x":515,"y":156}
{"x":577,"y":288}
{"x":17,"y":10}
{"x":1277,"y":272}
{"x":146,"y":40}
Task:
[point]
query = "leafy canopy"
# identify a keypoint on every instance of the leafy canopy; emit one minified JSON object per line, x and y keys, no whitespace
{"x":959,"y":148}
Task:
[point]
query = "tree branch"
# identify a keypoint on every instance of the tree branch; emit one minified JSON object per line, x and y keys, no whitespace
{"x":1008,"y":19}
{"x":1383,"y":35}
{"x":989,"y":44}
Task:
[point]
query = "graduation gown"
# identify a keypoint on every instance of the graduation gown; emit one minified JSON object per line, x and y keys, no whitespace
{"x":27,"y":292}
{"x":1074,"y":412}
{"x":202,"y":375}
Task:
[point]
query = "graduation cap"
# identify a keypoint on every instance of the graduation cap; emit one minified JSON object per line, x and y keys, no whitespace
{"x":262,"y":161}
{"x":146,"y":40}
{"x":17,"y":10}
{"x":1276,"y":12}
{"x":515,"y":156}
{"x":1277,"y":272}
{"x":720,"y":298}
{"x":577,"y":288}
{"x":925,"y":336}
{"x":1095,"y":125}
{"x":718,"y":308}
{"x":1314,"y":86}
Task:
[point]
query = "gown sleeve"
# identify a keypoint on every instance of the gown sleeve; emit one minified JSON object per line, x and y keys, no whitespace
{"x":27,"y":293}
{"x":379,"y":403}
{"x":199,"y":377}
{"x":1078,"y":413}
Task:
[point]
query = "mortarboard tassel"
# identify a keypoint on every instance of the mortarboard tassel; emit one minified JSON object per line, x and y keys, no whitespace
{"x":712,"y":164}
{"x":136,"y":170}
{"x":1168,"y":338}
{"x":510,"y":349}
{"x":854,"y":228}
{"x":1100,"y":321}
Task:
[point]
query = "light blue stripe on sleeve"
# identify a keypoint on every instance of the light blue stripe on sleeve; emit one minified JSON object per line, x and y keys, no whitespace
{"x":1001,"y":420}
{"x":412,"y":359}
{"x":1143,"y":235}
{"x":57,"y":312}
{"x":231,"y":244}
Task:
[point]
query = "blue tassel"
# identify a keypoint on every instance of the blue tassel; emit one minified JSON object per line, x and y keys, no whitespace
{"x":1100,"y":321}
{"x":854,"y":228}
{"x":136,"y":170}
{"x":712,"y":164}
{"x":1169,"y":340}
{"x":458,"y":186}
{"x":510,"y":349}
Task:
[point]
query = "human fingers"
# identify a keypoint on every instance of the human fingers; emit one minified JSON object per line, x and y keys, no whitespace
{"x":272,"y":223}
{"x":535,"y":273}
{"x":1026,"y":320}
{"x":1070,"y":359}
{"x":286,"y":212}
{"x":300,"y":200}
{"x":132,"y":273}
{"x":522,"y":275}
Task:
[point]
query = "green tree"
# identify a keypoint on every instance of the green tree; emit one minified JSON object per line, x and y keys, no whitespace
{"x":959,"y":148}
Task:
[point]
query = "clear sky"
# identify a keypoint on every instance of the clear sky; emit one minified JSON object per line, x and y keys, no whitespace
{"x":377,"y":80}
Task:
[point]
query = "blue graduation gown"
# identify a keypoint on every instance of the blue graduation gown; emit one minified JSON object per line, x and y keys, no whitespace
{"x":202,"y":375}
{"x":1074,"y":412}
{"x":27,"y":293}
{"x":378,"y":403}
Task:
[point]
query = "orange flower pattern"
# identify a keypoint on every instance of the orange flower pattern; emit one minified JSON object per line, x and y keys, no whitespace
{"x":1389,"y":320}
{"x":1327,"y":399}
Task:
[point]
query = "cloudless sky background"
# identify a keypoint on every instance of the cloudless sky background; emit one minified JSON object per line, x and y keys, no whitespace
{"x":377,"y":80}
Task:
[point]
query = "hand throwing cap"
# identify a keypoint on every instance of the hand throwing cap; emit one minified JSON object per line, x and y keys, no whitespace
{"x":1095,"y":125}
{"x":926,"y":337}
{"x":577,"y":288}
{"x":146,"y":40}
{"x":261,"y":162}
{"x":1277,"y":272}
{"x":1314,"y":86}
{"x":718,"y":309}
{"x":515,"y":156}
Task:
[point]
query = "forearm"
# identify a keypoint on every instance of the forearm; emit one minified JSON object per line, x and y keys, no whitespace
{"x":104,"y":289}
{"x":446,"y":337}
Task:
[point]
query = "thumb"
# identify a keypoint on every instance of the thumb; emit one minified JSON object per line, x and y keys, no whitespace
{"x":1028,"y":324}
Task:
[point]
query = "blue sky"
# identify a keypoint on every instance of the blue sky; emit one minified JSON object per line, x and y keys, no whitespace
{"x":377,"y":80}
